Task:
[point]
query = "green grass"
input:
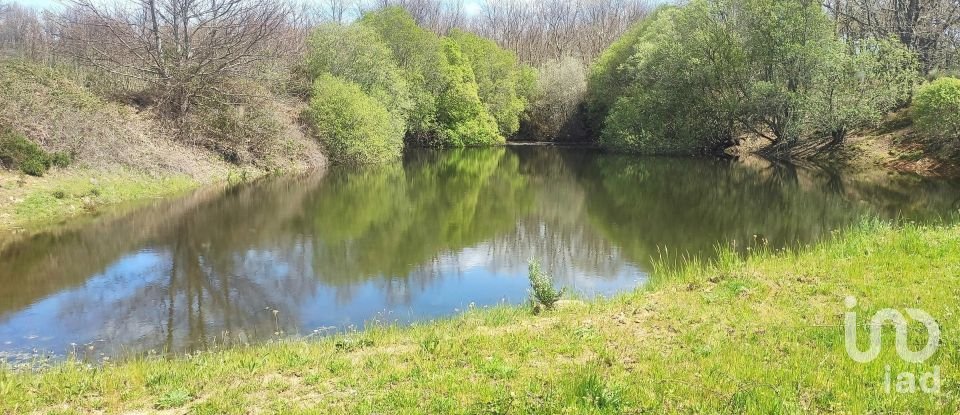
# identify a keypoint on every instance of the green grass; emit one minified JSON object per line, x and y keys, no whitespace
{"x":757,"y":335}
{"x":47,"y":201}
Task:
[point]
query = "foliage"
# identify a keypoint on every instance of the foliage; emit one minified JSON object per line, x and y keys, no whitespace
{"x":355,"y":128}
{"x":357,"y":54}
{"x":462,"y":119}
{"x":447,"y":109}
{"x":500,"y":79}
{"x":555,"y":104}
{"x":16,"y":151}
{"x":936,"y":110}
{"x":418,"y":54}
{"x":607,"y":79}
{"x":857,"y":87}
{"x":541,"y":287}
{"x":678,"y":101}
{"x":695,"y":78}
{"x":61,"y":159}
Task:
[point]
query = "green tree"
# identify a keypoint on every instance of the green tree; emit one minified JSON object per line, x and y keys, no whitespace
{"x":936,"y":110}
{"x":607,"y":78}
{"x":357,"y":54}
{"x":681,"y":99}
{"x":500,"y":79}
{"x":356,"y":128}
{"x":463,"y":119}
{"x":695,"y":78}
{"x":859,"y":84}
{"x":447,"y":109}
{"x":419,"y":54}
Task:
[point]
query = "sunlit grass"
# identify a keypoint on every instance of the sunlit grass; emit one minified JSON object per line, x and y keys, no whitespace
{"x":49,"y":200}
{"x":761,"y":334}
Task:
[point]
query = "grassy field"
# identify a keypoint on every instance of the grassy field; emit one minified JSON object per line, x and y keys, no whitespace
{"x":758,"y":335}
{"x":32,"y":202}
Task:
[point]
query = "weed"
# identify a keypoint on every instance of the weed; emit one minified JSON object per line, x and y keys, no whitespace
{"x":173,"y":399}
{"x":541,"y":287}
{"x":591,"y":389}
{"x":430,"y":344}
{"x":352,"y":343}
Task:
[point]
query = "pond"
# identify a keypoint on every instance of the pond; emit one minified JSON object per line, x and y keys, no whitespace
{"x":424,"y":238}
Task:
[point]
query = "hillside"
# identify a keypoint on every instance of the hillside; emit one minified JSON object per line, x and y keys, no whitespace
{"x":121,"y":152}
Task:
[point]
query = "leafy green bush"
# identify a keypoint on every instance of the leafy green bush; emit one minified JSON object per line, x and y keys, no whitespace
{"x":418,"y":54}
{"x":61,"y":159}
{"x":936,"y":110}
{"x":541,"y":287}
{"x":355,"y":128}
{"x":858,"y":85}
{"x":501,"y":80}
{"x":462,"y":119}
{"x":447,"y":109}
{"x":676,"y":101}
{"x":357,"y":54}
{"x":17,"y":152}
{"x":694,"y":78}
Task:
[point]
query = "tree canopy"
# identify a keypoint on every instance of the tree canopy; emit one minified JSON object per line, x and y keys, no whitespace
{"x":695,"y":78}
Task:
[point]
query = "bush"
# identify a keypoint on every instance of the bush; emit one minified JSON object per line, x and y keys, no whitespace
{"x":61,"y":159}
{"x":418,"y":53}
{"x":541,"y":287}
{"x":560,"y":90}
{"x":357,"y":54}
{"x":855,"y":88}
{"x":694,"y":78}
{"x":17,"y":152}
{"x":462,"y":119}
{"x":355,"y":128}
{"x":500,"y":78}
{"x":936,"y":110}
{"x":676,"y":102}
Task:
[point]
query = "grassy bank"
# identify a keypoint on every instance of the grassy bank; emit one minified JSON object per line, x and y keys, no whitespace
{"x":761,"y":335}
{"x":29,"y":202}
{"x":119,"y":152}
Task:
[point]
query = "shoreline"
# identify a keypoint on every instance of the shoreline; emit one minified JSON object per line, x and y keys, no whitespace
{"x":701,"y":339}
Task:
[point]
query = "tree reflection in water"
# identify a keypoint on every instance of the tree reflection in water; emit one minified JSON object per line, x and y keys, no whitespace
{"x":415,"y":239}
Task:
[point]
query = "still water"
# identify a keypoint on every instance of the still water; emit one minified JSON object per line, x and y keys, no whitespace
{"x":420,"y":239}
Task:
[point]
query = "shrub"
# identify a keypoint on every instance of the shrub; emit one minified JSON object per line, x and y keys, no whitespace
{"x":500,"y":79}
{"x":676,"y":102}
{"x":936,"y":110}
{"x":61,"y":159}
{"x":462,"y":119}
{"x":16,"y":151}
{"x":541,"y":287}
{"x":355,"y":128}
{"x":418,"y":53}
{"x":855,"y":88}
{"x":357,"y":54}
{"x":560,"y":90}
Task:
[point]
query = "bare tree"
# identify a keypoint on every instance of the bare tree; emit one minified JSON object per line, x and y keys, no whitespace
{"x":183,"y":48}
{"x":928,"y":27}
{"x":22,"y":32}
{"x":550,"y":30}
{"x":439,"y":16}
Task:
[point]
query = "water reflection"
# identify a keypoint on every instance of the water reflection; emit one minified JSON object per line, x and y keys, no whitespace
{"x":414,"y":240}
